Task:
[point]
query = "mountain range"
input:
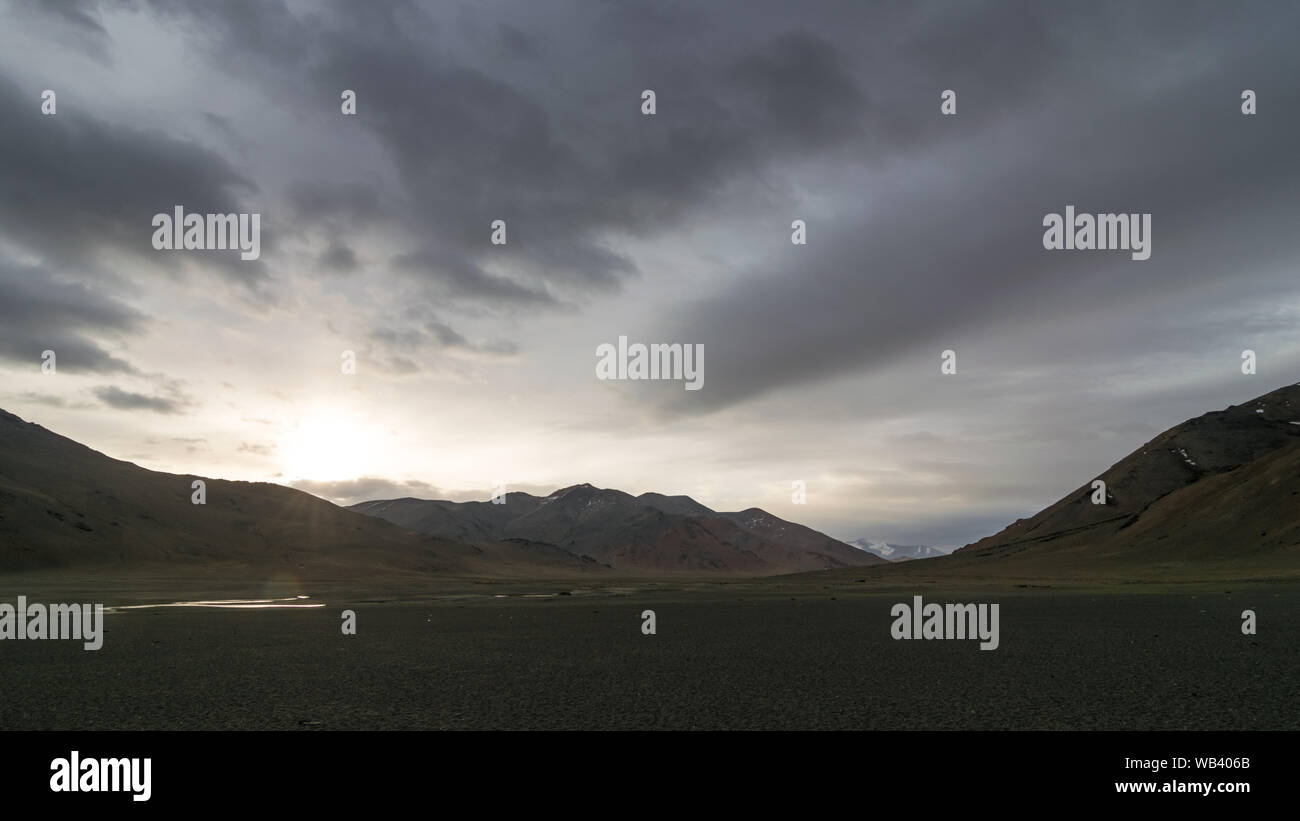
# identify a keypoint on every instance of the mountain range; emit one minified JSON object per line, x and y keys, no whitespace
{"x":63,"y":505}
{"x":650,"y":532}
{"x":1217,"y":496}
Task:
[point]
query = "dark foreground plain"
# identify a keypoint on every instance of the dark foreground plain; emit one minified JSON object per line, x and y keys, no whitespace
{"x":751,"y":655}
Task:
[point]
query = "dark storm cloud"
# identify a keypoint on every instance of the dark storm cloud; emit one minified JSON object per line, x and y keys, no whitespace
{"x":339,"y":257}
{"x":479,"y":151}
{"x":40,"y":312}
{"x":115,"y":397}
{"x":336,"y":211}
{"x":74,"y":14}
{"x":431,"y":335}
{"x":461,"y":276}
{"x":518,"y":43}
{"x":52,"y":401}
{"x":75,"y":185}
{"x":1141,"y":126}
{"x":955,"y":253}
{"x":804,"y":90}
{"x":335,"y":203}
{"x":485,"y":146}
{"x":66,"y":21}
{"x":958,"y":254}
{"x":44,"y":399}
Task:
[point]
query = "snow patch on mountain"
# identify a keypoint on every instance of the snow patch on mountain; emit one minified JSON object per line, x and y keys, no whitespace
{"x":897,"y":552}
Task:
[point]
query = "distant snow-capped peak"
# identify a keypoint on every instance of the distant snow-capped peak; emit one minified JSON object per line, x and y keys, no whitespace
{"x":896,"y":552}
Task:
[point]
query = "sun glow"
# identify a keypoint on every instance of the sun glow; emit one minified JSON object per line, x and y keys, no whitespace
{"x":326,"y":446}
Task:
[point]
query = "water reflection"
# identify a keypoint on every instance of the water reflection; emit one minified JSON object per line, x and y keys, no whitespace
{"x":292,"y":602}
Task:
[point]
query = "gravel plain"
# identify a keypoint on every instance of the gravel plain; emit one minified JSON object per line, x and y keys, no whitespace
{"x":738,"y":658}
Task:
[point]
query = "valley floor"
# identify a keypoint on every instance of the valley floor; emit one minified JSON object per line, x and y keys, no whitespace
{"x":773,"y":654}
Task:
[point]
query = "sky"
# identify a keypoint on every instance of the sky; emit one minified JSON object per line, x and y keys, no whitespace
{"x":475,"y":362}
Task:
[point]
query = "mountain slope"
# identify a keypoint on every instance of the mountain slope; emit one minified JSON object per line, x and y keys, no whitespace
{"x":1221,"y":488}
{"x":63,"y":505}
{"x":650,"y":532}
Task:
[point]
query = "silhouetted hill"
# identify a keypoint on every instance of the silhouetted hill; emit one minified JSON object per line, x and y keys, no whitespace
{"x":650,"y":532}
{"x":1221,"y":488}
{"x":65,"y":505}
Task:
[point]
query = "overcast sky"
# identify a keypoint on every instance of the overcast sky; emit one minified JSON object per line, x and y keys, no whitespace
{"x":476,"y":363}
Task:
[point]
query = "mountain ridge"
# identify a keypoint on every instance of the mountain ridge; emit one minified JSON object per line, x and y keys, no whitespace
{"x":1175,"y":476}
{"x":64,"y":504}
{"x":652,"y":531}
{"x":1215,"y":498}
